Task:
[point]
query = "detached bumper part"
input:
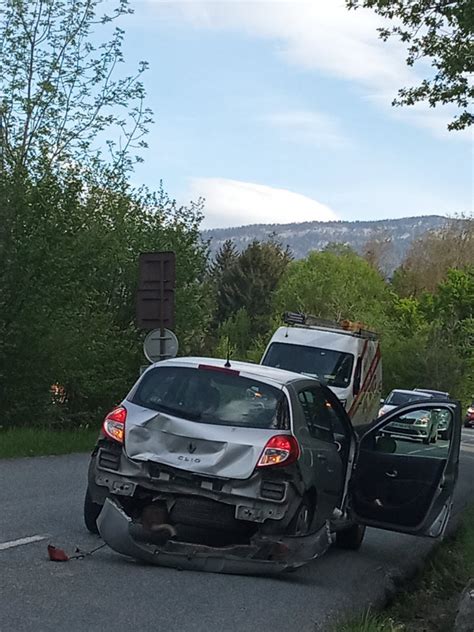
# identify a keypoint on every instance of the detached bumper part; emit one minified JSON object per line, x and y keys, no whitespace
{"x":263,"y":556}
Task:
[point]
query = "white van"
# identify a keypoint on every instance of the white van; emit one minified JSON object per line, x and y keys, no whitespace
{"x":345,"y":356}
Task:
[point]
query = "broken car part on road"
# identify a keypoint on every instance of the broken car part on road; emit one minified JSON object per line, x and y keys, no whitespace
{"x":263,"y":556}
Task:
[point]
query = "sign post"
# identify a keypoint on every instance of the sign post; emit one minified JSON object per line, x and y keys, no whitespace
{"x":160,"y":344}
{"x":155,"y":303}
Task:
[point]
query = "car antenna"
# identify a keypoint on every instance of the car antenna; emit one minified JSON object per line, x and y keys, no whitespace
{"x":227,"y":364}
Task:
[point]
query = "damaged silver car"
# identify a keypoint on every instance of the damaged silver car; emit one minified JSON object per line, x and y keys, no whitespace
{"x":244,"y":468}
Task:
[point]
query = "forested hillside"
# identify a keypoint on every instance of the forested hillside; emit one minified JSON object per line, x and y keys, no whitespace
{"x":396,"y":235}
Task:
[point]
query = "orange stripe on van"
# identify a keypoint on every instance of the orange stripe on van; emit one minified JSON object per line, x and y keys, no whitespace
{"x":367,"y":381}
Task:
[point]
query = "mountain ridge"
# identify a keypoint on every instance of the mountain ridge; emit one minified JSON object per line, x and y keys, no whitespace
{"x":396,"y":234}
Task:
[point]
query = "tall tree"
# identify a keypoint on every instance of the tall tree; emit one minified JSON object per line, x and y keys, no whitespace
{"x":250,"y":281}
{"x":335,"y":284}
{"x":378,"y":251}
{"x":67,"y":285}
{"x":58,"y":90}
{"x":225,"y":258}
{"x":440,"y":32}
{"x":430,"y":341}
{"x":430,"y":258}
{"x":71,"y":227}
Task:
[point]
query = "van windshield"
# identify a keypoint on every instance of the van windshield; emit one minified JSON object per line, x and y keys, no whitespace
{"x":334,"y":368}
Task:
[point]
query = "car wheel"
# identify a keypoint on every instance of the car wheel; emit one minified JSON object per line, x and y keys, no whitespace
{"x":351,"y":538}
{"x":91,"y":513}
{"x":301,"y":522}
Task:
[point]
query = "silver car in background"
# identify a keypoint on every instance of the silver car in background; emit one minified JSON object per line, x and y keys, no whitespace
{"x":419,"y":425}
{"x":399,"y":397}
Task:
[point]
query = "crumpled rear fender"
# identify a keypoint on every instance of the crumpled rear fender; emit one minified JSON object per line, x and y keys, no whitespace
{"x":263,"y":556}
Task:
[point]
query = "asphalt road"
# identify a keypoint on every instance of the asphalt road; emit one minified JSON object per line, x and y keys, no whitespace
{"x":42,"y":497}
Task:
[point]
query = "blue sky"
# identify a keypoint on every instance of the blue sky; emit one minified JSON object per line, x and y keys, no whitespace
{"x":280,"y":111}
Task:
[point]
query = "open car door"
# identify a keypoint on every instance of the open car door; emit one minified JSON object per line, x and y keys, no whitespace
{"x":404,"y":472}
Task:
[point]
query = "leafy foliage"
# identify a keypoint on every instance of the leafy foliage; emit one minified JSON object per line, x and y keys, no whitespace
{"x":67,"y":286}
{"x":431,"y":338}
{"x":442,"y":32}
{"x":247,"y":281}
{"x":334,"y":284}
{"x":429,"y":259}
{"x":58,"y":94}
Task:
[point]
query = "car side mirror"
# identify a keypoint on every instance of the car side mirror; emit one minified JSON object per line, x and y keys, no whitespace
{"x":382,"y":402}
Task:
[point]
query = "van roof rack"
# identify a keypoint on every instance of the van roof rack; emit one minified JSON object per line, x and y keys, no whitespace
{"x":313,"y":322}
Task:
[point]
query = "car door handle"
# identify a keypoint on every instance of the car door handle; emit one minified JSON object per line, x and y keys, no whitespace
{"x":392,"y":474}
{"x":321,"y":457}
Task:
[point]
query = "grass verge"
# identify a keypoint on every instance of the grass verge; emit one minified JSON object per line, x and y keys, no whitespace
{"x":429,"y":602}
{"x":17,"y":442}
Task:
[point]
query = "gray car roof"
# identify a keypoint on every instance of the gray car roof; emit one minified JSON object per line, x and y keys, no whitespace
{"x":278,"y":376}
{"x":409,"y":392}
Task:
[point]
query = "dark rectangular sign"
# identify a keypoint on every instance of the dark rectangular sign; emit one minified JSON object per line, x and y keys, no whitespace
{"x":155,"y":296}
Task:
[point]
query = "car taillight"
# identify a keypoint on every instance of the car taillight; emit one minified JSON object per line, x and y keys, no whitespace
{"x":114,"y":424}
{"x":280,"y":450}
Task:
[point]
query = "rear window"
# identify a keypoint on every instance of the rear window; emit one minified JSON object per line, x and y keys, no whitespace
{"x":397,"y":398}
{"x":213,"y":397}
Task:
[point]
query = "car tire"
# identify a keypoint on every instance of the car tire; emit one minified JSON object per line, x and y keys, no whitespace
{"x":91,"y":513}
{"x":351,"y":538}
{"x":301,"y":522}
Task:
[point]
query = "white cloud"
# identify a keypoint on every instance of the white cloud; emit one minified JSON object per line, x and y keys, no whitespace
{"x":315,"y":34}
{"x":235,"y":203}
{"x":321,"y":35}
{"x":310,"y":127}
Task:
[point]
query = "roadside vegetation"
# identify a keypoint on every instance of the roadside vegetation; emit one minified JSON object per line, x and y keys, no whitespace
{"x":428,"y":602}
{"x":19,"y":442}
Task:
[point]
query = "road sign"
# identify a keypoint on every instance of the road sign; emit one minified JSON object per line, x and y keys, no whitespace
{"x":160,"y":344}
{"x":155,"y":296}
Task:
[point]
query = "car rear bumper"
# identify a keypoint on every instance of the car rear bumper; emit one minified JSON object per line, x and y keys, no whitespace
{"x":416,"y":432}
{"x":263,"y":556}
{"x":255,"y":500}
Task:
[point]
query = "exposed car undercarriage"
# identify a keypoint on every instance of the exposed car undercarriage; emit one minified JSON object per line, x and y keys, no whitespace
{"x":261,"y":555}
{"x":164,"y":515}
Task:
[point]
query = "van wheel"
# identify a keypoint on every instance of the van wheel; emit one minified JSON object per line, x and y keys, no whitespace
{"x":91,"y":513}
{"x":351,"y":538}
{"x":301,"y":522}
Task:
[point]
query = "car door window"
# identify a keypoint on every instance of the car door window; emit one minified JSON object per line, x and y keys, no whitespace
{"x":318,"y":413}
{"x":400,"y":467}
